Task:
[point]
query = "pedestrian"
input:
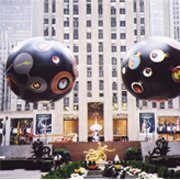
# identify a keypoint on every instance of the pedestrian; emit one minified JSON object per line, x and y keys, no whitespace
{"x":57,"y":161}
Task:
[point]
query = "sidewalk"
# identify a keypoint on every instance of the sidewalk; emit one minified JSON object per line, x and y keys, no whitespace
{"x":21,"y":174}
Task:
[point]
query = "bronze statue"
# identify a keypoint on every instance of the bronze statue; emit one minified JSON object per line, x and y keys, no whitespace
{"x":40,"y":151}
{"x":162,"y":147}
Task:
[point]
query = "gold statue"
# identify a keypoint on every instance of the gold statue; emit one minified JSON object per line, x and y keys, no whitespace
{"x":98,"y":154}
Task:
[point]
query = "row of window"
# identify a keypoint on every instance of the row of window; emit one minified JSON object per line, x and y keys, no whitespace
{"x":27,"y":107}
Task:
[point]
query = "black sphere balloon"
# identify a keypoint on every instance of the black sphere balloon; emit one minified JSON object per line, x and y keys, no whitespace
{"x":41,"y":69}
{"x":151,"y":69}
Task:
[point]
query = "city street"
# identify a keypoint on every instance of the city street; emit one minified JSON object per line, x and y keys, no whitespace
{"x":21,"y":174}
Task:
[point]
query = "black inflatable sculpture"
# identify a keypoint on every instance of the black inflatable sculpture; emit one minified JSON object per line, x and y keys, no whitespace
{"x":40,"y":151}
{"x":162,"y":148}
{"x":151,"y":69}
{"x":41,"y":69}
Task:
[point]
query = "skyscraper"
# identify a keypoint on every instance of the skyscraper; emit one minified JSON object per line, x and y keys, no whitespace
{"x":99,"y":33}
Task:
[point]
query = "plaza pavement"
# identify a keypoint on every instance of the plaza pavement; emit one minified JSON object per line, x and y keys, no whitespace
{"x":21,"y":174}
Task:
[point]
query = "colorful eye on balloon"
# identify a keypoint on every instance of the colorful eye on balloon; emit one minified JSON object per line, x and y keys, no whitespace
{"x":134,"y":61}
{"x":137,"y":87}
{"x":147,"y":72}
{"x":37,"y":84}
{"x":176,"y":74}
{"x":158,"y":55}
{"x":55,"y":59}
{"x":62,"y":82}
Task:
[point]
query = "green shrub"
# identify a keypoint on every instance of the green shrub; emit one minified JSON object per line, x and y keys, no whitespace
{"x":176,"y":174}
{"x":162,"y":172}
{"x":64,"y":153}
{"x":170,"y":174}
{"x":133,"y":153}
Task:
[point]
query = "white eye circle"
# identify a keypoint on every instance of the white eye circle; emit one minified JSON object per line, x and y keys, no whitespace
{"x":157,"y":55}
{"x":55,"y":59}
{"x":123,"y":70}
{"x":137,"y":87}
{"x":147,"y":72}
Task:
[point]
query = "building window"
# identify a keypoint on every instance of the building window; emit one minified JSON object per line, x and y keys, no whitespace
{"x":162,"y":105}
{"x":89,"y":59}
{"x":142,"y":20}
{"x":170,"y":104}
{"x":101,"y":85}
{"x":35,"y":105}
{"x":75,"y":34}
{"x":142,"y":30}
{"x":75,"y":107}
{"x":154,"y":104}
{"x":88,"y":23}
{"x":75,"y":22}
{"x":46,"y":5}
{"x":141,"y":5}
{"x":113,"y":48}
{"x":100,"y":47}
{"x":113,"y":22}
{"x":76,"y":86}
{"x":122,"y":23}
{"x":100,"y":23}
{"x":88,"y":35}
{"x":101,"y":61}
{"x":115,"y":98}
{"x":66,"y":35}
{"x":66,"y":23}
{"x":100,"y":9}
{"x":122,"y":11}
{"x":46,"y":31}
{"x":75,"y":9}
{"x":53,"y":105}
{"x":77,"y":59}
{"x":75,"y":99}
{"x":66,"y":101}
{"x":134,"y":5}
{"x":19,"y":107}
{"x":89,"y":72}
{"x":53,"y":21}
{"x":89,"y":85}
{"x":114,"y":86}
{"x":114,"y":72}
{"x":135,"y":32}
{"x":144,"y":103}
{"x":113,"y":10}
{"x":27,"y":106}
{"x":135,"y":20}
{"x":53,"y":31}
{"x":122,"y":35}
{"x":113,"y":35}
{"x":114,"y":61}
{"x":46,"y":20}
{"x":75,"y":48}
{"x":53,"y":6}
{"x":101,"y":94}
{"x":123,"y":48}
{"x":66,"y":11}
{"x":100,"y":34}
{"x":88,"y":47}
{"x":101,"y":72}
{"x":88,"y":9}
{"x":89,"y":94}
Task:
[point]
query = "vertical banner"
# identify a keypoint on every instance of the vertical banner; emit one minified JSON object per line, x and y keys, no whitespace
{"x":147,"y":122}
{"x":43,"y":124}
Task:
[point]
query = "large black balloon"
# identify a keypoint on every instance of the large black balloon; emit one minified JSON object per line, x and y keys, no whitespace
{"x":41,"y":69}
{"x":151,"y":69}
